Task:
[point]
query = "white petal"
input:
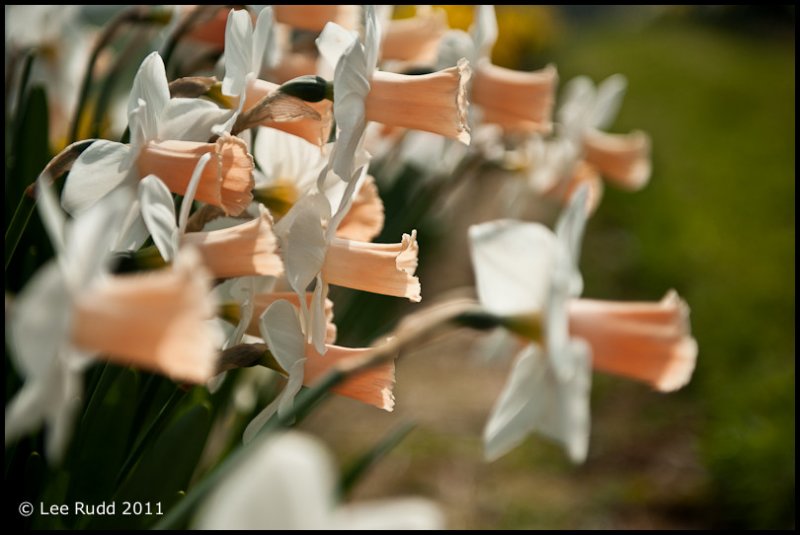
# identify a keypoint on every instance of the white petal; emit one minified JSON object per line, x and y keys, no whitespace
{"x":578,"y":100}
{"x":303,"y":240}
{"x":286,"y":483}
{"x":242,"y":290}
{"x":484,"y":31}
{"x":40,"y":322}
{"x":92,"y":234}
{"x":133,"y":232}
{"x":289,"y":158}
{"x":372,"y":38}
{"x":264,"y":42}
{"x":293,"y":386}
{"x":454,"y":45}
{"x":25,"y":412}
{"x":394,"y":514}
{"x":191,"y":191}
{"x":566,"y":282}
{"x":346,"y":201}
{"x":333,"y":42}
{"x":190,"y":119}
{"x":158,"y":211}
{"x":238,"y":52}
{"x":53,"y":398}
{"x":499,"y":344}
{"x":535,"y":400}
{"x":61,"y":420}
{"x":512,"y":262}
{"x":574,"y":417}
{"x":350,"y":87}
{"x":261,"y":419}
{"x":151,"y":86}
{"x":319,"y":323}
{"x":608,"y":101}
{"x":281,"y":329}
{"x":102,"y":167}
{"x":569,"y":231}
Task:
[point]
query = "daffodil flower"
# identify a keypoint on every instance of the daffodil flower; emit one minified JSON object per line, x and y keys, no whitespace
{"x":312,"y":252}
{"x":247,"y":52}
{"x":71,"y":310}
{"x":290,"y":167}
{"x":529,"y":276}
{"x":582,"y":152}
{"x":168,"y":137}
{"x":434,"y":102}
{"x":289,"y":482}
{"x":518,"y":102}
{"x":245,"y":249}
{"x":303,"y":365}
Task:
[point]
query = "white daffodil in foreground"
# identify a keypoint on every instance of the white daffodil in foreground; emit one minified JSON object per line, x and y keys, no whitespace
{"x":72,"y":310}
{"x":528,"y":275}
{"x":168,"y":137}
{"x":288,"y":482}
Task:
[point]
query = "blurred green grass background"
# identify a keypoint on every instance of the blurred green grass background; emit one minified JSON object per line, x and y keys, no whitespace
{"x":714,"y":87}
{"x":715,"y":90}
{"x":717,"y":223}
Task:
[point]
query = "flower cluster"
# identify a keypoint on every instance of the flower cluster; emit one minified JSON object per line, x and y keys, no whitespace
{"x":209,"y":238}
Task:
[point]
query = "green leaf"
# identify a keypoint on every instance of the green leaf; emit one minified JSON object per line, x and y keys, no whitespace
{"x":103,"y":438}
{"x":165,"y":468}
{"x":29,"y":155}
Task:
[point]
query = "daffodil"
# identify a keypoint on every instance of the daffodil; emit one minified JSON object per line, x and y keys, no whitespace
{"x":72,"y":310}
{"x":582,"y":152}
{"x":248,"y":248}
{"x":302,"y":364}
{"x":434,"y":103}
{"x":247,"y":52}
{"x":168,"y":138}
{"x":289,"y":482}
{"x":290,"y":167}
{"x":529,"y":276}
{"x":312,"y":252}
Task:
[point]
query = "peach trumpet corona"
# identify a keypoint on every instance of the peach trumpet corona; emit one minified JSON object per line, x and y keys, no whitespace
{"x":435,"y":102}
{"x":156,"y":321}
{"x":649,"y":342}
{"x":517,"y":101}
{"x":227,"y":180}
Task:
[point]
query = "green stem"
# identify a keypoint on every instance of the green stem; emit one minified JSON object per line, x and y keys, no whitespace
{"x":303,"y":403}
